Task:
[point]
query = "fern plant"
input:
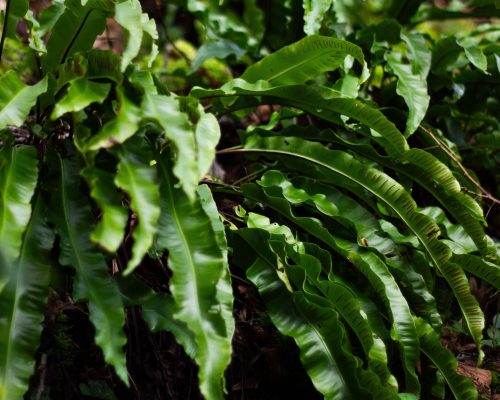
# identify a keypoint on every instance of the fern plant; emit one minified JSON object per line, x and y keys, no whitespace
{"x":98,"y":154}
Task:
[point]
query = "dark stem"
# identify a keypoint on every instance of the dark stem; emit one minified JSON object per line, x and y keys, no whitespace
{"x":4,"y":29}
{"x":80,"y":28}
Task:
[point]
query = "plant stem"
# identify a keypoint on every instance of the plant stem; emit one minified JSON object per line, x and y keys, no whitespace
{"x":484,"y":193}
{"x":4,"y":29}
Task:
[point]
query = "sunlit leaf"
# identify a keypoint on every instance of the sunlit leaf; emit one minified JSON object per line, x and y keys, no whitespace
{"x":197,"y":261}
{"x":18,"y":179}
{"x":17,"y":98}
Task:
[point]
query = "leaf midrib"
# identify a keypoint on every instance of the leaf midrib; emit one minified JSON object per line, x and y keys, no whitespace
{"x":91,"y":294}
{"x":185,"y":246}
{"x":329,"y":167}
{"x":298,"y":65}
{"x":14,"y":313}
{"x":5,"y":192}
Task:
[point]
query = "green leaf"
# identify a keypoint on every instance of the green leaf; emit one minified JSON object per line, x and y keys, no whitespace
{"x":22,"y":306}
{"x":476,"y":56}
{"x":72,"y":217}
{"x":18,"y":179}
{"x":220,"y":50}
{"x":369,"y":264}
{"x":119,"y":129}
{"x":49,"y":16}
{"x":198,"y":265}
{"x":314,"y":13}
{"x":321,"y":102}
{"x":315,"y":329}
{"x":303,"y":61}
{"x":75,"y":30}
{"x":483,"y":269}
{"x":138,"y":179}
{"x":461,"y":386}
{"x":110,"y":230}
{"x":167,"y":112}
{"x":394,"y":196}
{"x":419,"y":53}
{"x":36,"y":39}
{"x":15,"y":10}
{"x":81,"y":93}
{"x":194,"y":141}
{"x":157,"y":311}
{"x":224,"y":288}
{"x":336,"y":205}
{"x":17,"y":99}
{"x":413,"y":88}
{"x":348,"y":305}
{"x":128,"y":14}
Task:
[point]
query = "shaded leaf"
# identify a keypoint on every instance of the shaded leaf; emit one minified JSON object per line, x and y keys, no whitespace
{"x":138,"y":179}
{"x":73,"y":220}
{"x":22,"y":306}
{"x":119,"y":129}
{"x":75,"y":30}
{"x":15,"y":11}
{"x":461,"y":386}
{"x":413,"y":88}
{"x":110,"y":230}
{"x":315,"y":329}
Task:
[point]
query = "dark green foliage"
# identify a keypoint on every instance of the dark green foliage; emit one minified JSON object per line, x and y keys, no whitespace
{"x":363,"y":204}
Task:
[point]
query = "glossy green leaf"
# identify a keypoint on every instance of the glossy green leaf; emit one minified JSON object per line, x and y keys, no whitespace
{"x":479,"y":267}
{"x":474,"y":53}
{"x":81,"y":93}
{"x":315,"y":329}
{"x":369,"y":265}
{"x":193,"y":132}
{"x":22,"y":306}
{"x":72,"y":217}
{"x":348,"y":212}
{"x":419,"y":53}
{"x":198,"y":263}
{"x":138,"y":179}
{"x":461,"y":386}
{"x":17,"y":98}
{"x":348,"y":305}
{"x":110,"y":230}
{"x":305,"y":271}
{"x":394,"y":196}
{"x":413,"y":88}
{"x":18,"y":179}
{"x":303,"y":61}
{"x":427,"y":171}
{"x":322,"y":102}
{"x":128,"y":14}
